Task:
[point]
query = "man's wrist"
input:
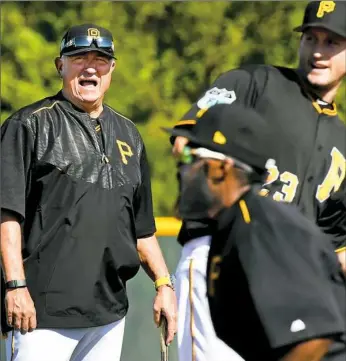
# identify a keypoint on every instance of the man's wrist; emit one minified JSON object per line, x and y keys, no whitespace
{"x":168,"y":281}
{"x":14,"y":284}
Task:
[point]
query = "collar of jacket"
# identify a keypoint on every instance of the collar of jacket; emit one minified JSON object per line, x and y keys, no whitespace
{"x":73,"y":109}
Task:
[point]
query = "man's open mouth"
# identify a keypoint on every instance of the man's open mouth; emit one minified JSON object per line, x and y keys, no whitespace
{"x":88,"y":83}
{"x":318,"y":66}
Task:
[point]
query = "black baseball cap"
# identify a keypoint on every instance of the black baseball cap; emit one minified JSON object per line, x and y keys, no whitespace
{"x":330,"y":15}
{"x":87,"y":37}
{"x":233,"y":130}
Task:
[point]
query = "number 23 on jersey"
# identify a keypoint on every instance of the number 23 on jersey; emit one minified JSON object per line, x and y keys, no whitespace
{"x":331,"y":183}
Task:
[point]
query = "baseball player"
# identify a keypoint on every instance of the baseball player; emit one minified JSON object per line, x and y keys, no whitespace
{"x":276,"y":289}
{"x":310,"y":151}
{"x":76,"y":215}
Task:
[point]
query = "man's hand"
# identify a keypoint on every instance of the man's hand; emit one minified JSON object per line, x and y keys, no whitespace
{"x":179,"y":145}
{"x":165,"y":304}
{"x":20,"y":310}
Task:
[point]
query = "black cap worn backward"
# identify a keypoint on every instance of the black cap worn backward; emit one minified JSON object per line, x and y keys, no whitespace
{"x":330,"y":15}
{"x":87,"y":37}
{"x":234,"y":130}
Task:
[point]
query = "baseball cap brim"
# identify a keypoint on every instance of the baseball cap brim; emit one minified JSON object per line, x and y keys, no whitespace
{"x":86,"y":50}
{"x":177,"y":132}
{"x":248,"y":158}
{"x":304,"y":27}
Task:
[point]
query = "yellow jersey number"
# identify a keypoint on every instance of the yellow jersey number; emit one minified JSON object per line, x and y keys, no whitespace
{"x":289,"y":189}
{"x":331,"y":183}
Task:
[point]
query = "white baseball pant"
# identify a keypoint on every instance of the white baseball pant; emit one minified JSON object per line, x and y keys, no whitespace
{"x":197,"y":340}
{"x":75,"y":344}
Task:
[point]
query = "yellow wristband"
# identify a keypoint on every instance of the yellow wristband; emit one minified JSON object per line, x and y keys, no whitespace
{"x":162,"y":281}
{"x":340,"y":250}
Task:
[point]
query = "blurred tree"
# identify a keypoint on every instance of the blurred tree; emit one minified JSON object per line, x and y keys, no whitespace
{"x":168,"y":53}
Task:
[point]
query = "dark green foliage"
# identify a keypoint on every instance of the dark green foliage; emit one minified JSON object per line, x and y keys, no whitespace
{"x":168,"y":53}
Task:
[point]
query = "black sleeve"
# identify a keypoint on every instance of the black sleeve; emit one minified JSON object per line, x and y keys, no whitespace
{"x":240,"y":84}
{"x":332,"y":218}
{"x":295,"y":283}
{"x":17,"y":145}
{"x":143,"y":204}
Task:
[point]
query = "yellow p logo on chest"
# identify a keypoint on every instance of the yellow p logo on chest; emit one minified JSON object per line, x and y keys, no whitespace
{"x":125,"y":151}
{"x":325,"y":7}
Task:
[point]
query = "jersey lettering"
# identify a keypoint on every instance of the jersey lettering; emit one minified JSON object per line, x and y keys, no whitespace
{"x":214,"y":274}
{"x":125,"y":150}
{"x":289,"y":189}
{"x":335,"y":176}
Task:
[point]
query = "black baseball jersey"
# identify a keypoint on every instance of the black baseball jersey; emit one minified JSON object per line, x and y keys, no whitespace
{"x":82,"y":188}
{"x":273,"y":281}
{"x":309,"y":145}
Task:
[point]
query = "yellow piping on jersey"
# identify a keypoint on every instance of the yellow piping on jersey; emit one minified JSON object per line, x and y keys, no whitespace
{"x":245,"y":211}
{"x":319,"y":109}
{"x":192,"y":316}
{"x":121,"y":115}
{"x":186,"y":122}
{"x":201,"y":112}
{"x":325,"y":110}
{"x":340,"y":250}
{"x":50,"y":107}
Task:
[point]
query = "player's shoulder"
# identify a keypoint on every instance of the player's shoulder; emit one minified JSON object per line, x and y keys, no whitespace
{"x":260,"y":74}
{"x":119,"y":117}
{"x":123,"y":121}
{"x":30,"y":109}
{"x":276,"y":73}
{"x":247,"y":70}
{"x":23,"y":114}
{"x":279,"y":217}
{"x":264,"y":69}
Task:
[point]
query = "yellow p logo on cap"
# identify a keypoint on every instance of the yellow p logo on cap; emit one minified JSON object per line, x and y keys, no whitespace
{"x":325,"y":7}
{"x":95,"y":33}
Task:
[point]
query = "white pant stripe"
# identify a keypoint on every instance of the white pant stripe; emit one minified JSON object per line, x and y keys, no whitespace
{"x":196,"y":336}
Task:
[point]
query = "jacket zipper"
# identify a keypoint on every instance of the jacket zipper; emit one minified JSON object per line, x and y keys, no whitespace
{"x":104,"y":157}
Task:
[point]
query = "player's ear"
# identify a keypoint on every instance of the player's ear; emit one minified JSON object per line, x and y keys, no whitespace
{"x":113,"y":65}
{"x":58,"y":65}
{"x":228,"y":164}
{"x":228,"y":168}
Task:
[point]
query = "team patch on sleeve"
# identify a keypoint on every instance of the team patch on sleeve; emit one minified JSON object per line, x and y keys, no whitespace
{"x":216,"y":96}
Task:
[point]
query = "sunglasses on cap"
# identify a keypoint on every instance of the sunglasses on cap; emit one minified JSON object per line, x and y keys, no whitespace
{"x":86,"y":41}
{"x":190,"y":155}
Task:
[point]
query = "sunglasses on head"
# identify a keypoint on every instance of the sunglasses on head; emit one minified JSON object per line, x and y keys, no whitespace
{"x":85,"y":41}
{"x":190,"y":155}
